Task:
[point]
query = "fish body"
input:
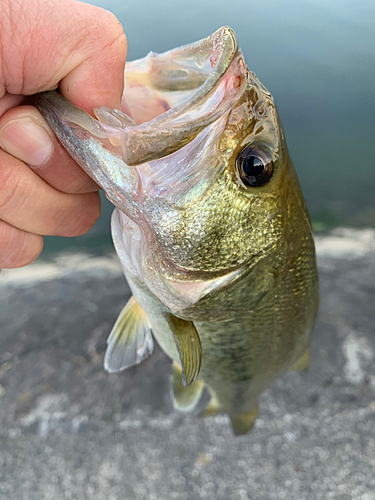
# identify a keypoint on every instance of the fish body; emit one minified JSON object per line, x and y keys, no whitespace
{"x":210,"y":223}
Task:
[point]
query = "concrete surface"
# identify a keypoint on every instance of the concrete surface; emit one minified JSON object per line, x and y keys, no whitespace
{"x":68,"y":430}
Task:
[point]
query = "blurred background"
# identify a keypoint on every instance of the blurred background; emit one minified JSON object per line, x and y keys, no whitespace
{"x":316,"y":57}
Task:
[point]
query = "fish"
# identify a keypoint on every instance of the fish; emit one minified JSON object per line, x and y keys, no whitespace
{"x":210,"y":224}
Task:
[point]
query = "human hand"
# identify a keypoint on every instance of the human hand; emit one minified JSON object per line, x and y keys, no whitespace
{"x":46,"y":44}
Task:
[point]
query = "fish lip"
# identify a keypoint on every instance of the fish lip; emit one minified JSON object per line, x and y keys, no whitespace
{"x":174,"y":128}
{"x":83,"y":138}
{"x":223,"y":36}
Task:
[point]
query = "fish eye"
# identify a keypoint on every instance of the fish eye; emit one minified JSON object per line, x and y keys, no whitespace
{"x":254,"y":166}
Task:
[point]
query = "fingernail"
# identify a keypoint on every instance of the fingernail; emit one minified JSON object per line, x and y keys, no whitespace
{"x":27,"y":140}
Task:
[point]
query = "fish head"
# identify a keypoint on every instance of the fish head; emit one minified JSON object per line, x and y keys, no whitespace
{"x":197,"y":165}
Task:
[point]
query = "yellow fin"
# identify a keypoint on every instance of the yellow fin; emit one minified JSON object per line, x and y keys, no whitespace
{"x":243,"y":422}
{"x":189,"y":347}
{"x":213,"y":408}
{"x":184,"y":399}
{"x":302,"y":363}
{"x":130,"y":340}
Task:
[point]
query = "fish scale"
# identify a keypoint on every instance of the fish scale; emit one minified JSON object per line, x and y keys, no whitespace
{"x":220,"y":258}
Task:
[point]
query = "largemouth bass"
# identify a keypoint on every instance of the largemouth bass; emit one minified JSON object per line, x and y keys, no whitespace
{"x":210,"y":223}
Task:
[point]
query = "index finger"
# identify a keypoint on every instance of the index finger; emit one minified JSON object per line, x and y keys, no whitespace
{"x":25,"y":134}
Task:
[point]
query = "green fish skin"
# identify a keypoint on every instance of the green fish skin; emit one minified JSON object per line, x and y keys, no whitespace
{"x":210,"y":224}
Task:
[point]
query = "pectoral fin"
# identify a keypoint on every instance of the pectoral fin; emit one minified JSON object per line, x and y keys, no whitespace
{"x":188,"y":345}
{"x":184,"y":399}
{"x":130,"y":340}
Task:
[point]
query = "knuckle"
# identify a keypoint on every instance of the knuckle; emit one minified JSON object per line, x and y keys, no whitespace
{"x":31,"y":252}
{"x":81,"y":184}
{"x":9,"y":182}
{"x":83,"y":219}
{"x":18,"y":248}
{"x":113,"y":30}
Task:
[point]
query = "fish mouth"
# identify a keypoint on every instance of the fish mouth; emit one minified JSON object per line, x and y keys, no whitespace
{"x":189,"y":87}
{"x":185,"y":90}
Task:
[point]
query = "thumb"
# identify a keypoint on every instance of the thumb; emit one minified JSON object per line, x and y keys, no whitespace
{"x":98,"y":78}
{"x":78,"y":46}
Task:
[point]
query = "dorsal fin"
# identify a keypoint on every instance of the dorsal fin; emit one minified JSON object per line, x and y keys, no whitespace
{"x":130,"y":340}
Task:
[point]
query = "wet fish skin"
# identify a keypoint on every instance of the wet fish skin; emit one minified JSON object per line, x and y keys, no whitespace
{"x":235,"y":264}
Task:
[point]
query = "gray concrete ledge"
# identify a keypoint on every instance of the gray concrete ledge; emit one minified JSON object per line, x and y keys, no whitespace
{"x":70,"y":430}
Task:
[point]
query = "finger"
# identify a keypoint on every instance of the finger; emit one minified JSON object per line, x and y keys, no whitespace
{"x":25,"y":135}
{"x":78,"y":44}
{"x":99,"y":77}
{"x":29,"y":203}
{"x":18,"y":248}
{"x":9,"y":101}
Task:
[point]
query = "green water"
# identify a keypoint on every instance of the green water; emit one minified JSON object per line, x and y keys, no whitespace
{"x":317,"y":58}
